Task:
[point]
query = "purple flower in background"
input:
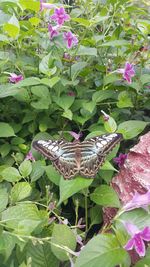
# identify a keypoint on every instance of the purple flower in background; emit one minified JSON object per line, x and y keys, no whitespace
{"x":127,"y":72}
{"x":138,"y":201}
{"x":14,"y":78}
{"x":60,"y":16}
{"x":29,"y":156}
{"x":137,"y":238}
{"x":71,"y":93}
{"x":70,"y":39}
{"x":53,"y":31}
{"x":75,"y":135}
{"x":106,"y":116}
{"x":120,"y":160}
{"x":46,"y":5}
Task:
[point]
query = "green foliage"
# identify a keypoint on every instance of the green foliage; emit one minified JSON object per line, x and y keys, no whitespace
{"x":42,"y":215}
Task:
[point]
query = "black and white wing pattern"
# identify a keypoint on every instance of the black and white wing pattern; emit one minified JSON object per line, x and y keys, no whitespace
{"x":78,"y":158}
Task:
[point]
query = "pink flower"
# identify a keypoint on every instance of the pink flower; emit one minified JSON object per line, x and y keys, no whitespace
{"x":127,"y":72}
{"x":121,"y":159}
{"x":60,"y":16}
{"x":46,"y":5}
{"x":29,"y":156}
{"x":138,"y":201}
{"x":75,"y":135}
{"x":53,"y":31}
{"x":137,"y":238}
{"x":106,"y":116}
{"x":70,"y":39}
{"x":14,"y":78}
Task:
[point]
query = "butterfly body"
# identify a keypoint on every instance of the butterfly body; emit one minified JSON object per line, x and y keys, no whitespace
{"x":78,"y":158}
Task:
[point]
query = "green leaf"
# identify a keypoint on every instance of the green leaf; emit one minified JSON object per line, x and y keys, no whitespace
{"x":110,"y":125}
{"x":43,"y":95}
{"x":66,"y":240}
{"x":77,"y":68}
{"x":67,"y":114}
{"x":131,"y":128}
{"x":46,"y":66}
{"x":145,"y":78}
{"x":70,"y":187}
{"x":37,"y":170}
{"x":5,"y":149}
{"x":20,"y":191}
{"x":11,"y":174}
{"x":6,"y":130}
{"x":124,"y":100}
{"x":89,"y":106}
{"x":24,"y":218}
{"x":101,"y":95}
{"x":25,"y":168}
{"x":105,"y":196}
{"x":27,"y":82}
{"x":65,"y":101}
{"x":7,"y":244}
{"x":50,"y":82}
{"x":110,"y":78}
{"x":30,"y":4}
{"x":12,"y":27}
{"x":95,"y":215}
{"x":102,"y":250}
{"x":82,"y":21}
{"x":107,"y":166}
{"x":52,"y":174}
{"x":3,"y":196}
{"x":87,"y":51}
{"x":41,"y":255}
{"x":116,"y":43}
{"x":7,"y":90}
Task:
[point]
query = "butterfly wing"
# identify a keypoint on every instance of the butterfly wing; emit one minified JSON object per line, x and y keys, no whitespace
{"x":61,"y":154}
{"x":94,"y":151}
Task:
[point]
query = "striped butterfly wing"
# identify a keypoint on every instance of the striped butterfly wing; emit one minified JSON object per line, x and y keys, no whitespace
{"x":94,"y":151}
{"x":84,"y":158}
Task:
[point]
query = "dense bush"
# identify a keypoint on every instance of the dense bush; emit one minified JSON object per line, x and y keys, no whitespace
{"x":84,"y":69}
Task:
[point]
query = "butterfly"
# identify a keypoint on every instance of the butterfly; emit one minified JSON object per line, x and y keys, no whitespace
{"x":78,"y":158}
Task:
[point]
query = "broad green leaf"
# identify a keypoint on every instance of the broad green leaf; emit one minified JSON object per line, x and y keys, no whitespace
{"x":52,"y":174}
{"x":30,"y":4}
{"x":67,"y":114}
{"x":105,"y":196}
{"x":87,"y":51}
{"x":107,"y":166}
{"x":46,"y":66}
{"x":3,"y":196}
{"x":7,"y":244}
{"x":139,"y":217}
{"x":50,"y":82}
{"x":12,"y":27}
{"x":5,"y":149}
{"x":25,"y":168}
{"x":96,"y":215}
{"x":27,"y":82}
{"x":116,"y":43}
{"x":124,"y":100}
{"x":110,"y":78}
{"x":82,"y":21}
{"x":110,"y":125}
{"x":6,"y":130}
{"x":43,"y":95}
{"x":65,"y":101}
{"x":77,"y":68}
{"x":145,"y":78}
{"x":131,"y":128}
{"x":24,"y":218}
{"x":102,"y":250}
{"x":70,"y":187}
{"x":89,"y":106}
{"x":41,"y":255}
{"x":11,"y":174}
{"x":34,"y":21}
{"x":101,"y":95}
{"x":37,"y":170}
{"x":20,"y":191}
{"x":66,"y":240}
{"x":7,"y":90}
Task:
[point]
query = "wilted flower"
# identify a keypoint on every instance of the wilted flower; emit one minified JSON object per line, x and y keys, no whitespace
{"x":66,"y":56}
{"x":46,"y":5}
{"x":121,"y":159}
{"x":14,"y":78}
{"x":127,"y":72}
{"x":71,"y":93}
{"x":60,"y":16}
{"x":138,"y":201}
{"x":75,"y":135}
{"x":53,"y":30}
{"x":29,"y":156}
{"x":137,"y":238}
{"x":106,"y":116}
{"x":70,"y":39}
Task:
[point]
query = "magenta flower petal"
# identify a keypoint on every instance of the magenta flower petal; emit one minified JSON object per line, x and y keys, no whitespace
{"x":60,"y":16}
{"x":138,"y":201}
{"x":145,"y":234}
{"x":14,"y":78}
{"x":120,"y":160}
{"x":129,"y":244}
{"x":29,"y":156}
{"x":75,"y":135}
{"x":53,"y":31}
{"x":46,"y":5}
{"x":70,"y":39}
{"x":128,"y":72}
{"x":139,"y":245}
